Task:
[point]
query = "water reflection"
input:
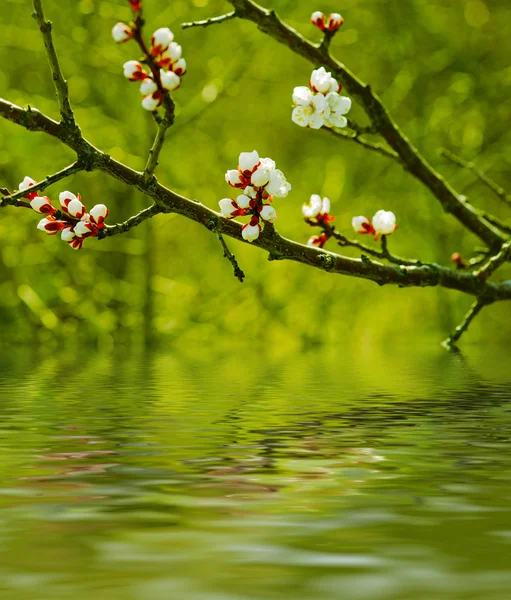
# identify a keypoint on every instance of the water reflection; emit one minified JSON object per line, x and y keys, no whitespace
{"x":244,"y":476}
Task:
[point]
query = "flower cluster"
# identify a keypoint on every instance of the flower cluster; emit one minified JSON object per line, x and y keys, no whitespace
{"x":259,"y":181}
{"x":320,"y":104}
{"x":72,"y":219}
{"x":383,"y":223}
{"x":332,"y":23}
{"x":166,"y":57}
{"x":316,"y":214}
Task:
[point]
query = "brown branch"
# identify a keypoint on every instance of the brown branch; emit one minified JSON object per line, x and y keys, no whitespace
{"x":490,"y":183}
{"x":238,"y":273}
{"x":354,"y":136}
{"x":475,"y":309}
{"x":133,"y":221}
{"x":278,"y":247}
{"x":58,"y":78}
{"x":13,"y":199}
{"x":268,"y":22}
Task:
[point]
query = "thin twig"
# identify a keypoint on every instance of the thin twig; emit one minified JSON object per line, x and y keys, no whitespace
{"x":211,"y":21}
{"x":58,"y":78}
{"x":490,"y":183}
{"x":494,"y":262}
{"x":384,"y":254}
{"x":133,"y":221}
{"x":354,"y":136}
{"x":497,"y":222}
{"x":12,"y":199}
{"x":154,"y":153}
{"x":238,"y":273}
{"x":475,"y":309}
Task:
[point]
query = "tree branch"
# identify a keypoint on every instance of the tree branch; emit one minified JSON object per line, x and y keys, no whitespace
{"x":154,"y":153}
{"x":268,"y":22}
{"x":238,"y":273}
{"x":490,"y":183}
{"x":133,"y":221}
{"x":56,"y":72}
{"x":354,"y":136}
{"x":207,"y":22}
{"x":475,"y":309}
{"x":494,"y":262}
{"x":12,"y":199}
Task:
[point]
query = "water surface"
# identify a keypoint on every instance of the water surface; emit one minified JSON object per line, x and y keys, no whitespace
{"x":245,"y":475}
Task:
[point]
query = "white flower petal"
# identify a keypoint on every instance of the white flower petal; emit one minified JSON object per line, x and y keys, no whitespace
{"x":302,"y":96}
{"x":301,"y":116}
{"x":248,"y":160}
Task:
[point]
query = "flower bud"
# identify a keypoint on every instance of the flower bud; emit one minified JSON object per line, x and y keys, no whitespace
{"x":51,"y":226}
{"x":228,"y":208}
{"x":318,"y":241}
{"x":169,"y":80}
{"x":313,"y":209}
{"x":362,"y":225}
{"x":318,"y":19}
{"x":278,"y":185}
{"x":160,"y":40}
{"x":248,"y":161}
{"x":243,"y":201}
{"x":233,"y":178}
{"x":334,"y":22}
{"x":42,"y":205}
{"x":179,"y":68}
{"x":83,"y":229}
{"x":121,"y":33}
{"x":250,"y":231}
{"x":27,"y":183}
{"x":98,"y":214}
{"x":76,"y":243}
{"x":384,"y":222}
{"x":153,"y":101}
{"x":134,"y":71}
{"x":72,"y":205}
{"x":68,"y":234}
{"x":148,"y":86}
{"x":268,"y":213}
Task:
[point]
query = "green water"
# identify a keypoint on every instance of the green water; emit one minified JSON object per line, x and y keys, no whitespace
{"x":247,"y":475}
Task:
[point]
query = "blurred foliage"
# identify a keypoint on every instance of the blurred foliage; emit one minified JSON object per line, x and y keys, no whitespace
{"x":441,"y":68}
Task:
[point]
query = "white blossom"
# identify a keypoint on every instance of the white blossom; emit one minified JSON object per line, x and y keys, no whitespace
{"x":361,"y":224}
{"x":243,"y":201}
{"x":251,"y":232}
{"x":152,"y":101}
{"x":179,"y":68}
{"x":302,"y":95}
{"x":161,"y":40}
{"x":336,"y":106}
{"x":134,"y":71}
{"x":68,"y":234}
{"x":169,"y":80}
{"x":261,"y":175}
{"x":98,"y":214}
{"x":268,"y":213}
{"x":384,"y":222}
{"x":121,"y":33}
{"x":71,"y":204}
{"x":148,"y":86}
{"x":82,"y":228}
{"x":316,"y":206}
{"x":26,"y":183}
{"x":278,"y":185}
{"x":233,"y":177}
{"x":248,"y":161}
{"x":228,"y":208}
{"x":323,"y":82}
{"x":42,"y":205}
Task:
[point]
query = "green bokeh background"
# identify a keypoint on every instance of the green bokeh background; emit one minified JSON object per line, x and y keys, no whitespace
{"x":442,"y":68}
